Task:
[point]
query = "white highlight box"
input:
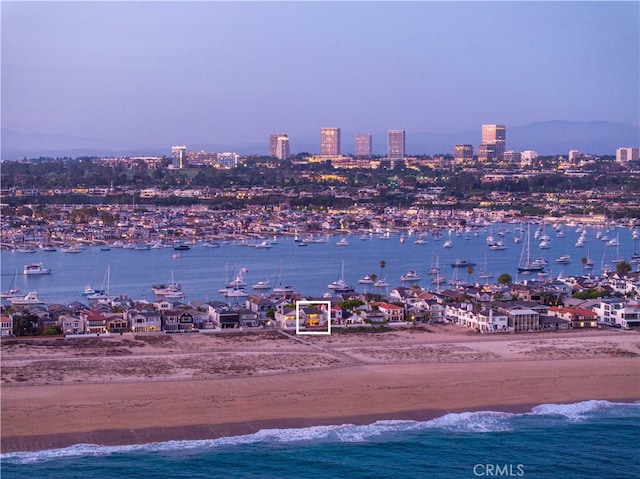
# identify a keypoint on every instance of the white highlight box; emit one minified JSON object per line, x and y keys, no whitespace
{"x":318,"y":304}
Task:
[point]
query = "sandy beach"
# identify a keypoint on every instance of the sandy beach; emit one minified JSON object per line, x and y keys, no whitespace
{"x":145,"y":388}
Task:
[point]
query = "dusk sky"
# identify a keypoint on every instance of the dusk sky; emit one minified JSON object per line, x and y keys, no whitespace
{"x":154,"y":74}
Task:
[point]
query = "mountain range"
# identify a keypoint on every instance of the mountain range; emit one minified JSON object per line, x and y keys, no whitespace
{"x":555,"y":137}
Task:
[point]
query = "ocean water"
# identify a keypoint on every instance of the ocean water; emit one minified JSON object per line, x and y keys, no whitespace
{"x":590,"y":439}
{"x":203,"y":271}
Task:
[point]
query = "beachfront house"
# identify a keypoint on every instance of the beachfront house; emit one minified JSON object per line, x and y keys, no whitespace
{"x":71,"y":325}
{"x":392,"y":312}
{"x":144,"y":321}
{"x":249,"y":319}
{"x":117,"y":324}
{"x":579,"y":317}
{"x":286,"y":318}
{"x":177,"y":321}
{"x":621,"y":313}
{"x":96,"y":322}
{"x":311,"y":316}
{"x":6,"y":325}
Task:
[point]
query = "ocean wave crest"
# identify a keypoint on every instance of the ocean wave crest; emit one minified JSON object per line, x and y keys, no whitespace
{"x":581,"y":410}
{"x":464,"y":422}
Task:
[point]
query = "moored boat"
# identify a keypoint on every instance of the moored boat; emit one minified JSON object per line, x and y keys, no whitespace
{"x":35,"y":269}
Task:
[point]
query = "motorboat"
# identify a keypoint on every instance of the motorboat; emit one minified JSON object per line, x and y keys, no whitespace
{"x":381,"y":283}
{"x":262,"y":285}
{"x":564,"y":259}
{"x":35,"y":269}
{"x":366,"y":280}
{"x":342,"y":242}
{"x":410,"y":276}
{"x":29,"y":298}
{"x":462,"y":263}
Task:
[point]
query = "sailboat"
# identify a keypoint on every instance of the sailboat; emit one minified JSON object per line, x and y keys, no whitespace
{"x":340,"y":285}
{"x":526,"y":265}
{"x":169,"y":290}
{"x":13,"y":291}
{"x":484,"y":274}
{"x":102,"y":293}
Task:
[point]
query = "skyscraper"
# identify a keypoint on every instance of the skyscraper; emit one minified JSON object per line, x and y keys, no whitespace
{"x":395,"y":144}
{"x":495,"y":135}
{"x":282,"y":148}
{"x":363,"y":146}
{"x":179,"y":154}
{"x":330,"y":141}
{"x":273,"y":143}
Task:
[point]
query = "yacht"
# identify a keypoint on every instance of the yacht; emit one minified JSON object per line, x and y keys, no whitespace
{"x":381,"y":283}
{"x":35,"y":269}
{"x":366,"y":280}
{"x":342,"y":242}
{"x":262,"y":285}
{"x":447,"y":244}
{"x":410,"y":276}
{"x":30,"y":298}
{"x":264,"y":245}
{"x":564,"y":259}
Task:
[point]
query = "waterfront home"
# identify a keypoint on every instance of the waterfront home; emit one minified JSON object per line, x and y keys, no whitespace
{"x":311,"y":316}
{"x":144,"y":321}
{"x":249,"y":319}
{"x":72,"y":324}
{"x":6,"y":325}
{"x":117,"y":324}
{"x":554,"y":322}
{"x":224,"y":317}
{"x":521,"y":318}
{"x":286,"y":317}
{"x":96,"y":322}
{"x":177,"y":321}
{"x":431,"y":311}
{"x":579,"y":317}
{"x":618,"y":312}
{"x":623,"y":284}
{"x":392,"y":312}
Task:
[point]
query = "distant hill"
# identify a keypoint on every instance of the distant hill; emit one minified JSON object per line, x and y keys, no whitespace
{"x":547,"y":138}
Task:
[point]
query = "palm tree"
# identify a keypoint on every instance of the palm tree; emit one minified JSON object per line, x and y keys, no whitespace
{"x":623,"y":267}
{"x":383,"y":263}
{"x":469,"y":273}
{"x":584,"y":262}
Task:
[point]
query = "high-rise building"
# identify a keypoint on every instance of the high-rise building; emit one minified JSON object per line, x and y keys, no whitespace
{"x":330,"y":141}
{"x":282,"y":148}
{"x":495,"y":135}
{"x":487,"y":152}
{"x":179,"y":154}
{"x":462,"y":153}
{"x":395,"y":144}
{"x":363,"y":146}
{"x":273,"y":143}
{"x":627,"y":154}
{"x":574,"y":154}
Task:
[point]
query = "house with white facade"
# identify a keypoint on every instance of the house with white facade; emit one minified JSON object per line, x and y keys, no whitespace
{"x":621,"y":313}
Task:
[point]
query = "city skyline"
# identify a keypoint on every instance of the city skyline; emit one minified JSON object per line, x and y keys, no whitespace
{"x":133,"y":85}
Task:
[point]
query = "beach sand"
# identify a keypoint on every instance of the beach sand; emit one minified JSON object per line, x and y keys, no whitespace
{"x":146,"y":388}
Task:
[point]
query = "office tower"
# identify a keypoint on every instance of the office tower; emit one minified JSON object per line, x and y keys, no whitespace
{"x":487,"y":152}
{"x":512,"y":156}
{"x":574,"y":154}
{"x":495,"y":135}
{"x":363,"y":146}
{"x":627,"y":154}
{"x":395,"y":144}
{"x":462,"y":153}
{"x":282,"y":148}
{"x":179,"y":154}
{"x":330,"y":141}
{"x":273,"y":143}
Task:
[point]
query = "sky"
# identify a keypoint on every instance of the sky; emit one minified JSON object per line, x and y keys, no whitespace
{"x":172,"y":73}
